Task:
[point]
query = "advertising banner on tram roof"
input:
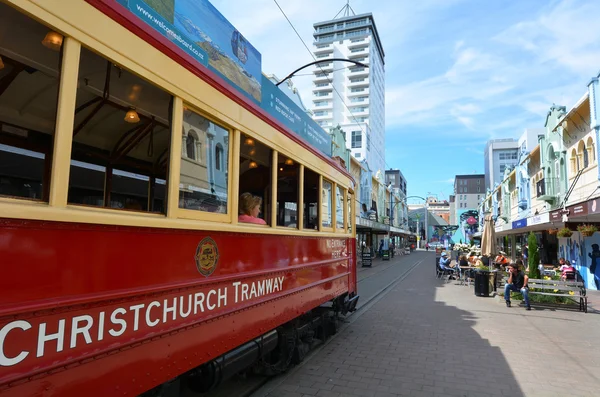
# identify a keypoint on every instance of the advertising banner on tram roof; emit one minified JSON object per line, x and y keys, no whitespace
{"x":201,"y":31}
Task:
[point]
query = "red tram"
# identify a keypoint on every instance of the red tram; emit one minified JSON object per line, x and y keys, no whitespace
{"x":126,"y":269}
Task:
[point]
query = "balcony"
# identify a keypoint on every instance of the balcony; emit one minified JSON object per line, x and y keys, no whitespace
{"x":321,"y":49}
{"x":322,"y":87}
{"x":359,"y":71}
{"x":320,"y":95}
{"x":354,"y":92}
{"x":321,"y":78}
{"x":523,"y":204}
{"x":547,"y":189}
{"x":358,"y":82}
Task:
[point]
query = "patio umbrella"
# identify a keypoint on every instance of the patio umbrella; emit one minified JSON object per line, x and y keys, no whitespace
{"x":488,"y":239}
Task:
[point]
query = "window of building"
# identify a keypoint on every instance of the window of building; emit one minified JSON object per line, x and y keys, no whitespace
{"x":583,"y":154}
{"x":29,"y":80}
{"x":574,"y":162}
{"x":219,"y":157}
{"x":339,"y":208}
{"x":357,"y":155}
{"x":327,"y":204}
{"x":287,"y":191}
{"x":590,"y":149}
{"x":256,"y":160}
{"x":356,"y":139}
{"x":120,"y":152}
{"x":502,"y":168}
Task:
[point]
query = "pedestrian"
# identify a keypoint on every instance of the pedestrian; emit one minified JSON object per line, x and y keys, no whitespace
{"x":427,"y":246}
{"x":392,"y":247}
{"x":525,"y":253}
{"x":517,"y":281}
{"x":381,"y":249}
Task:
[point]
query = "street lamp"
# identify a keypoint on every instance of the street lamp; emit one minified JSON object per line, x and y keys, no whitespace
{"x":321,"y":61}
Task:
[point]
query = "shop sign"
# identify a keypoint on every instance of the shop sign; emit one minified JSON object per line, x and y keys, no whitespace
{"x":578,"y":210}
{"x":519,"y":224}
{"x":538,"y":219}
{"x":574,"y":211}
{"x":556,"y":216}
{"x":594,"y":206}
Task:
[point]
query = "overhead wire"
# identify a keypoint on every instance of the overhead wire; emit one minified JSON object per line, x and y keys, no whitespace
{"x":326,"y":74}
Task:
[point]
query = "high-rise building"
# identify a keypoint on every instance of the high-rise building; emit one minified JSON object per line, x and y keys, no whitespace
{"x":351,"y":96}
{"x":499,"y":154}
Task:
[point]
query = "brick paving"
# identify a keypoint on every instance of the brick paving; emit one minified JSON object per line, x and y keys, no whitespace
{"x":429,"y":338}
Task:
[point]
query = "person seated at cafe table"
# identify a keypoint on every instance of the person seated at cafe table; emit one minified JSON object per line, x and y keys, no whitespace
{"x":567,"y":270}
{"x":517,"y":281}
{"x":445,"y":264}
{"x":501,"y":259}
{"x":462,"y":261}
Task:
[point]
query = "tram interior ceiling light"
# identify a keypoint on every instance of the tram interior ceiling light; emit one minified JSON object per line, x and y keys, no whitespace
{"x":289,"y":162}
{"x":53,"y":40}
{"x":252,"y":152}
{"x":132,"y":116}
{"x":249,"y":142}
{"x":1,"y":64}
{"x":253,"y":164}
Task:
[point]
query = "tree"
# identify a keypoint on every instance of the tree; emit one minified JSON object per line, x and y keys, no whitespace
{"x":534,"y":256}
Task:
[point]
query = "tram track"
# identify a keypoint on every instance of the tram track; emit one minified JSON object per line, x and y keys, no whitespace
{"x":261,"y":386}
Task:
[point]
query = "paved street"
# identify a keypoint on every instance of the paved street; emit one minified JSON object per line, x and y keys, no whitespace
{"x":428,"y":338}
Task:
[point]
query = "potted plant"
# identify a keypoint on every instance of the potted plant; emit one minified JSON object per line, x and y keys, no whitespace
{"x":564,"y":232}
{"x":586,"y":230}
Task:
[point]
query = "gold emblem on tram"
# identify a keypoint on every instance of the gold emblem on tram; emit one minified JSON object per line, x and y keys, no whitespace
{"x":207,"y":256}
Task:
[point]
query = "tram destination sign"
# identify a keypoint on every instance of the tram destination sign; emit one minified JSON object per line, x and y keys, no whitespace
{"x":201,"y":31}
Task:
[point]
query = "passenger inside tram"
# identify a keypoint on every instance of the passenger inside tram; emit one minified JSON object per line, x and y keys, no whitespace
{"x":250,"y":209}
{"x":256,"y":174}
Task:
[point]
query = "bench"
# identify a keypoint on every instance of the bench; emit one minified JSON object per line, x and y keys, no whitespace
{"x":556,"y":288}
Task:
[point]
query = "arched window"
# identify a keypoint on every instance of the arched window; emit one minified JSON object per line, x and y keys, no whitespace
{"x":190,"y":146}
{"x":218,"y":156}
{"x":591,"y":149}
{"x":582,"y":155}
{"x":574,"y":161}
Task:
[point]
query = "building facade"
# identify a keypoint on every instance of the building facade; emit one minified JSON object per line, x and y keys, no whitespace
{"x":468,"y":192}
{"x":555,"y":191}
{"x":351,"y":96}
{"x":499,"y":154}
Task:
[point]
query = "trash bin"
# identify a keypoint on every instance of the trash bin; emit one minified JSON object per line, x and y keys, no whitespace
{"x":482,"y":283}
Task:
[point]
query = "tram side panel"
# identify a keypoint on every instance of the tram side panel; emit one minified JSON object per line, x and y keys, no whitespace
{"x":104,"y":310}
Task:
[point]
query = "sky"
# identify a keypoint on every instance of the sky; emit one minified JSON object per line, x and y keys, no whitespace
{"x":458,"y":72}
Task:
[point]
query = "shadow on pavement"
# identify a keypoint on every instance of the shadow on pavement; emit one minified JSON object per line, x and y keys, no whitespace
{"x":406,"y":344}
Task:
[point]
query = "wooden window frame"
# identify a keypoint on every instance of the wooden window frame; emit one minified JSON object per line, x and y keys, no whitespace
{"x":331,"y":203}
{"x":173,"y":210}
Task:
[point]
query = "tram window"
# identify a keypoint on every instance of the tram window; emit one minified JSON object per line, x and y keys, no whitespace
{"x":203,"y":184}
{"x":327,"y":203}
{"x":311,"y":199}
{"x":339,"y":208}
{"x":29,"y":82}
{"x":349,"y":212}
{"x":287,"y":191}
{"x":255,"y":173}
{"x":121,"y":138}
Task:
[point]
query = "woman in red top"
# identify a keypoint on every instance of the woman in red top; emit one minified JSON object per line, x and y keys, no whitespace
{"x":249,"y":209}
